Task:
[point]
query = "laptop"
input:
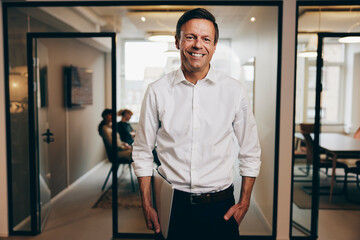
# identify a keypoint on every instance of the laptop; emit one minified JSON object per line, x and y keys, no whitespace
{"x":163,"y":193}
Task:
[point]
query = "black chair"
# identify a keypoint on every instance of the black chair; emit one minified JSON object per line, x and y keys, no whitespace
{"x":120,"y":161}
{"x":326,"y":157}
{"x":355,"y":170}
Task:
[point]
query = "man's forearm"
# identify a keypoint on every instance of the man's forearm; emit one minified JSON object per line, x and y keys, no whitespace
{"x":247,"y":185}
{"x":145,"y":189}
{"x":239,"y":210}
{"x":150,"y":214}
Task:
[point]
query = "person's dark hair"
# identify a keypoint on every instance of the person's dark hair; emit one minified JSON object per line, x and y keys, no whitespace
{"x":107,"y":111}
{"x":199,"y":13}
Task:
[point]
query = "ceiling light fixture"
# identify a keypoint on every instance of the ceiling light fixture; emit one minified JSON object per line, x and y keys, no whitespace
{"x":143,"y":19}
{"x":252,"y":19}
{"x":161,"y":37}
{"x":310,"y":50}
{"x":349,"y":40}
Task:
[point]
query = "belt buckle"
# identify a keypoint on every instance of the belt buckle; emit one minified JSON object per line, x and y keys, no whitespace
{"x":192,"y":202}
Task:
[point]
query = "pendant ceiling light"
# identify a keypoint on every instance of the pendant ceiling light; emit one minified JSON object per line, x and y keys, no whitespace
{"x":349,"y":40}
{"x":161,"y":37}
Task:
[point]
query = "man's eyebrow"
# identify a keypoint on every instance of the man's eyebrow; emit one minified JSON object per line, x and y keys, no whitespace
{"x":203,"y":36}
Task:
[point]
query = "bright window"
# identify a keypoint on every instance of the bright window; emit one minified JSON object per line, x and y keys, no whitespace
{"x":332,"y":97}
{"x":145,"y":62}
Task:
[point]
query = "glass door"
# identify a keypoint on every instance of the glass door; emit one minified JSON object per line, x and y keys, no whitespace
{"x":41,"y":136}
{"x":44,"y":136}
{"x":50,"y":126}
{"x":328,"y":74}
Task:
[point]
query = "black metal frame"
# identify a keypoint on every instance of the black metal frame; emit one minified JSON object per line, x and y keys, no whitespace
{"x":34,"y":193}
{"x":116,"y":234}
{"x":319,"y":63}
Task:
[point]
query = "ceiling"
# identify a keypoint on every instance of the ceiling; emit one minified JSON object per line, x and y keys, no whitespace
{"x":126,"y":20}
{"x":164,"y":18}
{"x":313,"y":19}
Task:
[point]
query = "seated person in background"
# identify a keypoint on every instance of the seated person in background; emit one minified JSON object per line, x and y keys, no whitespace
{"x":124,"y":128}
{"x":127,"y":133}
{"x":105,"y":131}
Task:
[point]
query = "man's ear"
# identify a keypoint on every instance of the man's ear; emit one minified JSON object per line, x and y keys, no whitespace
{"x":177,"y":42}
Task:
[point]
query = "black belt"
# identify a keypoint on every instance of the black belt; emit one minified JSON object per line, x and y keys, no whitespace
{"x":204,"y":198}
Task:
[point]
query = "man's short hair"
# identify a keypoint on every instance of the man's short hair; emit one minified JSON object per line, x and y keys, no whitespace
{"x":199,"y":13}
{"x":107,"y":111}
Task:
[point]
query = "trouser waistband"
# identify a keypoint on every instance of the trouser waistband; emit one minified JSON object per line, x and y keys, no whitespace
{"x":204,"y":198}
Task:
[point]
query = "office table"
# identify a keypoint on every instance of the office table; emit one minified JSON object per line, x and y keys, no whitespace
{"x":341,"y":145}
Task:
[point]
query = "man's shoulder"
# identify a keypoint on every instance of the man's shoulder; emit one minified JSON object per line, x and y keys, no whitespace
{"x":163,"y":82}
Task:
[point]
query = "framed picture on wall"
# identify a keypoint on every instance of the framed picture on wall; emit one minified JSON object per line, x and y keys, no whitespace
{"x":78,"y":86}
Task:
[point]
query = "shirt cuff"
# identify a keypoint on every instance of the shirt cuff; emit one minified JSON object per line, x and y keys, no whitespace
{"x":250,"y":167}
{"x":143,"y":171}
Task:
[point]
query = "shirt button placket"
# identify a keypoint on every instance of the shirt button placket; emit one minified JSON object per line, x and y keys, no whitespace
{"x":195,"y":140}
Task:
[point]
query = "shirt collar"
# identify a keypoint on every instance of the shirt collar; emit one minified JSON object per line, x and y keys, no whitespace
{"x":179,"y":76}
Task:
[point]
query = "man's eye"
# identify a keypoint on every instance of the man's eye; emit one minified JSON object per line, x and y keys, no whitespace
{"x":190,"y":37}
{"x":207,"y":40}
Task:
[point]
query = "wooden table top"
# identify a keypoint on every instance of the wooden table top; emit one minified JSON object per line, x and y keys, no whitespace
{"x":336,"y":142}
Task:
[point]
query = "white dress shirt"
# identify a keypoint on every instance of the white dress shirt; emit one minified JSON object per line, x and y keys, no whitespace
{"x":193,"y":127}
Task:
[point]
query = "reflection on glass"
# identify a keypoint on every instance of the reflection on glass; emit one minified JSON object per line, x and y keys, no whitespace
{"x":18,"y":91}
{"x":249,"y":75}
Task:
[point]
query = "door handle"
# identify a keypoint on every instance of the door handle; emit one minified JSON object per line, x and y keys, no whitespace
{"x":48,"y":135}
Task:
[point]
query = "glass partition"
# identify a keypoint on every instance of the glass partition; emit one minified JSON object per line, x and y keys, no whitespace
{"x":338,"y":112}
{"x":239,"y":50}
{"x":18,"y":94}
{"x":247,"y":50}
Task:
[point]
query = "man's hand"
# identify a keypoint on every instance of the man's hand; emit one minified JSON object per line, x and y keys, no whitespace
{"x":151,"y":218}
{"x":237,"y":211}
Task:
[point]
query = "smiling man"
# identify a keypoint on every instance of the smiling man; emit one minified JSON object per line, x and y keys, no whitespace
{"x":192,"y":115}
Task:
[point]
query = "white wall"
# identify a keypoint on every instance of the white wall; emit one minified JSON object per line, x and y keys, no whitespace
{"x":77,"y":128}
{"x":259,"y":39}
{"x":3,"y":174}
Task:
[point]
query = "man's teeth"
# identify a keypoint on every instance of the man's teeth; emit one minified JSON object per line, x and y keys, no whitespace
{"x":196,"y":54}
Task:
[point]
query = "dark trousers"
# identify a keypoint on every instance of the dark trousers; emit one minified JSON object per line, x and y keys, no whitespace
{"x":202,"y":222}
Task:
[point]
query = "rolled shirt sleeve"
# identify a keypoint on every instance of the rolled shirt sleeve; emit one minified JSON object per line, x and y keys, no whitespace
{"x":145,"y":138}
{"x":247,"y":137}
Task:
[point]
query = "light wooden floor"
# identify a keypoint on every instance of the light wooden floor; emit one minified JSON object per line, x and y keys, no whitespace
{"x":72,"y":216}
{"x":333,"y":224}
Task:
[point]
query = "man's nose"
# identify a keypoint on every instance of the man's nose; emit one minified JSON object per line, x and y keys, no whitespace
{"x":198,"y":43}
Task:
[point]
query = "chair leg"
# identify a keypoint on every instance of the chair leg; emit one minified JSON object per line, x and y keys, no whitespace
{"x":345,"y":185}
{"x":106,"y":180}
{"x":132,"y":181}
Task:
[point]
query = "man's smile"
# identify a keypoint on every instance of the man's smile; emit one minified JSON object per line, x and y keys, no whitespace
{"x":196,"y":54}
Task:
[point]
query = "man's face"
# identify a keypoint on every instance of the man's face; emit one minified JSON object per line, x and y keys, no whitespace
{"x":197,"y":45}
